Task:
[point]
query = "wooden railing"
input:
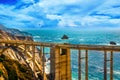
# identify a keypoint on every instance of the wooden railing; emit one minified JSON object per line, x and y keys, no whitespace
{"x":57,"y":54}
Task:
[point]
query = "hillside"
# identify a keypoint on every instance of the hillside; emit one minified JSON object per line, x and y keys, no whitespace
{"x":14,"y":31}
{"x":11,"y":69}
{"x":13,"y":64}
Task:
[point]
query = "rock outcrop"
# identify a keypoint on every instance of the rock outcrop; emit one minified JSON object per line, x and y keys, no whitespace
{"x":11,"y":69}
{"x":13,"y":66}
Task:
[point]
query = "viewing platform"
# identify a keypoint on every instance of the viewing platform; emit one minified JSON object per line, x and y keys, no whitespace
{"x":60,"y":58}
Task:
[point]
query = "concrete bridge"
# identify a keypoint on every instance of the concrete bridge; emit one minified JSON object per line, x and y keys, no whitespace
{"x":60,"y":58}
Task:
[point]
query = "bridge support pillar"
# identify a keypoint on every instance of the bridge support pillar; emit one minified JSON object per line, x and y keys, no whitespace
{"x":60,"y":67}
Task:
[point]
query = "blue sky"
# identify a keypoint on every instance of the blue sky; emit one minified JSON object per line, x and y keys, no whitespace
{"x":60,"y":13}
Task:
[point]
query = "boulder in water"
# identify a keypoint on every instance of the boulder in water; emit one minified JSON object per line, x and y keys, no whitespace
{"x":64,"y":37}
{"x":112,"y":43}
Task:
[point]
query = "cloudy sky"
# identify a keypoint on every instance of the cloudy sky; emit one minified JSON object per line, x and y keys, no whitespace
{"x":60,"y":13}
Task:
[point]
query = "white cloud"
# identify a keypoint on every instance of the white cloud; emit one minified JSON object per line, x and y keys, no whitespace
{"x":109,"y":7}
{"x":53,"y":17}
{"x":115,"y":21}
{"x":100,"y":22}
{"x":53,"y":3}
{"x":67,"y":12}
{"x":81,"y":6}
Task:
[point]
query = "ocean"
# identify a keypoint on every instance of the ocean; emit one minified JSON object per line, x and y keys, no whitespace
{"x":96,"y":37}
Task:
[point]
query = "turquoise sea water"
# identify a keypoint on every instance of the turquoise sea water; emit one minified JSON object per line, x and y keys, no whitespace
{"x":99,"y":37}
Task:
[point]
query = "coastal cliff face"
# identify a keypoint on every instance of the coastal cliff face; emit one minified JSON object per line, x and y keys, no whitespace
{"x":12,"y":65}
{"x":14,"y":31}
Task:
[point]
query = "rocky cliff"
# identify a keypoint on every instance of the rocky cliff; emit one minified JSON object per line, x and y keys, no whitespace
{"x":14,"y":31}
{"x":13,"y":66}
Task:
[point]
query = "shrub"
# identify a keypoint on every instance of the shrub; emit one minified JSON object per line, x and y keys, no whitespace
{"x":1,"y":59}
{"x":1,"y":73}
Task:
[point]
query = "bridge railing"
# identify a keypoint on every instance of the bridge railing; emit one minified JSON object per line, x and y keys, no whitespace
{"x":107,"y":57}
{"x":60,"y":59}
{"x":103,"y":60}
